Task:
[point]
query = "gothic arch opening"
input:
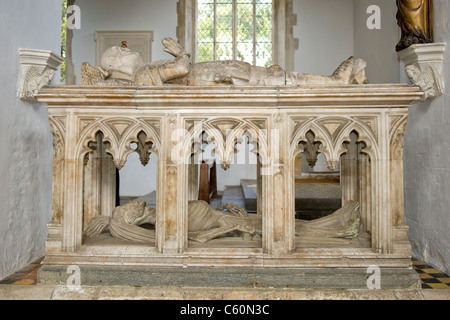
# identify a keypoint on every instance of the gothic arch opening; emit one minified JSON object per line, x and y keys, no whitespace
{"x":99,"y":192}
{"x":229,"y":185}
{"x":119,"y":205}
{"x":326,"y":195}
{"x":317,"y":187}
{"x":356,"y":182}
{"x":138,"y":177}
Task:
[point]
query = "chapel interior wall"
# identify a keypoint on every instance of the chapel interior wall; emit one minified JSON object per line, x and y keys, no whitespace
{"x":25,"y":138}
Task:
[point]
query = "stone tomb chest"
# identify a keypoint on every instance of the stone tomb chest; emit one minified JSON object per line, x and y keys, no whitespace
{"x":357,"y":128}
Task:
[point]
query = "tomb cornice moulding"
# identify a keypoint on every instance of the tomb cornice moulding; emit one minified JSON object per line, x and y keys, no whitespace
{"x":423,"y":66}
{"x":37,"y":69}
{"x":229,"y":97}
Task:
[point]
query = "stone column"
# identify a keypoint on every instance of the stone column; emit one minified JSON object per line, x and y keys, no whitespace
{"x":93,"y":183}
{"x":204,"y":186}
{"x":108,"y":185}
{"x":298,"y":166}
{"x":364,"y":173}
{"x":193,"y":180}
{"x":259,"y":187}
{"x":349,"y":172}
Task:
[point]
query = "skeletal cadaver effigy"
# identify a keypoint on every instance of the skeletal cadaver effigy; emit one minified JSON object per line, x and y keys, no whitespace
{"x":120,"y":66}
{"x":206,"y":224}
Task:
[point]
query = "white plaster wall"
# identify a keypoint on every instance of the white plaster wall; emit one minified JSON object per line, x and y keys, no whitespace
{"x":137,"y":180}
{"x":330,"y":31}
{"x":377,"y":46}
{"x":325,"y":32}
{"x":118,"y":15}
{"x":25,"y":139}
{"x":427,"y":165}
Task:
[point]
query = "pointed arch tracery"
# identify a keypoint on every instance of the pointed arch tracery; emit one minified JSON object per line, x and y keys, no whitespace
{"x":118,"y":142}
{"x":225,"y":133}
{"x":330,"y":134}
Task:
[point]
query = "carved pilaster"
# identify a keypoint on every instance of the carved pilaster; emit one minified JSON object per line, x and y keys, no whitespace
{"x":398,"y":131}
{"x":280,"y":219}
{"x":54,"y":236}
{"x":58,"y":172}
{"x":173,"y":222}
{"x":349,"y":171}
{"x":193,"y":179}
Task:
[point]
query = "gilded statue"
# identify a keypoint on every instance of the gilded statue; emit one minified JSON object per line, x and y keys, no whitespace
{"x":415,"y":19}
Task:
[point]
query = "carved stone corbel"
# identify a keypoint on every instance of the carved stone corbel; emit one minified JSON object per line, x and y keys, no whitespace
{"x":423,"y":65}
{"x":37,"y":69}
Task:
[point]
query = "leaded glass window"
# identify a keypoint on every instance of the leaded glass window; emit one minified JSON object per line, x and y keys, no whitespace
{"x":235,"y":30}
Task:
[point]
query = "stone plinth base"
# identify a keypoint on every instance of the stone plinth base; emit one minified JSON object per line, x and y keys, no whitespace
{"x":239,"y":294}
{"x":326,"y":278}
{"x":62,"y":292}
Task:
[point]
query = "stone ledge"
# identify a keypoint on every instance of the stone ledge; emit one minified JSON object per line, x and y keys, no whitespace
{"x":227,"y":278}
{"x":26,"y":292}
{"x":170,"y":98}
